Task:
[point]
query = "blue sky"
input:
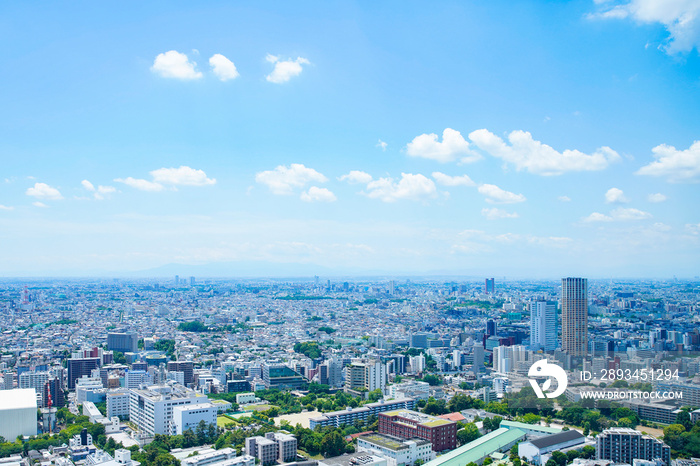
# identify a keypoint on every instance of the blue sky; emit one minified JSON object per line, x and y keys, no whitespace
{"x":521,"y":139}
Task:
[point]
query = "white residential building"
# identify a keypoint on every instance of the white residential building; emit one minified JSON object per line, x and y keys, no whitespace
{"x":399,"y":452}
{"x":187,"y":417}
{"x":118,"y":403}
{"x":151,"y":409}
{"x":543,"y":325}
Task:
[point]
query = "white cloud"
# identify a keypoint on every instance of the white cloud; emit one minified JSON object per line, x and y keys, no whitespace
{"x":283,"y":180}
{"x":447,"y":180}
{"x":174,"y":64}
{"x":564,"y":198}
{"x":615,"y":196}
{"x":141,"y":184}
{"x":285,"y":70}
{"x":356,"y":176}
{"x":99,"y":192}
{"x":656,"y":197}
{"x":538,"y":158}
{"x":693,"y":228}
{"x":494,"y":213}
{"x":5,"y":207}
{"x":452,"y":146}
{"x":681,"y":18}
{"x":410,"y":187}
{"x":676,"y":165}
{"x":629,"y":214}
{"x":39,"y":204}
{"x":223,"y":68}
{"x":496,"y":195}
{"x":619,"y":214}
{"x":182,"y":176}
{"x":102,"y":191}
{"x":597,"y":217}
{"x":661,"y":227}
{"x":44,"y":191}
{"x":382,"y":144}
{"x":316,"y":194}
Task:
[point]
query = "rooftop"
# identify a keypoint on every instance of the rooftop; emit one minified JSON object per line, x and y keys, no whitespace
{"x":555,"y":439}
{"x":18,"y":398}
{"x":389,"y":442}
{"x":479,"y":448}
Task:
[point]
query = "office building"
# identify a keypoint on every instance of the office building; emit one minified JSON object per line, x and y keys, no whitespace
{"x":17,"y":413}
{"x":491,"y":328}
{"x":281,"y":376}
{"x":53,"y":390}
{"x":186,"y":367}
{"x":126,"y":342}
{"x":490,"y":286}
{"x":406,"y":424}
{"x":543,"y":325}
{"x":81,"y":367}
{"x":623,"y":445}
{"x":574,"y":316}
{"x":117,"y":403}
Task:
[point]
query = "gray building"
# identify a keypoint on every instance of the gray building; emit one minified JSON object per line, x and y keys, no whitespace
{"x":623,"y":445}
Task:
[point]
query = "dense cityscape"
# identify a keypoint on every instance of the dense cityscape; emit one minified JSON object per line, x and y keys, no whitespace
{"x":385,"y":372}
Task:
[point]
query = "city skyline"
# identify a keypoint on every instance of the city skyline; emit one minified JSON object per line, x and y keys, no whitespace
{"x":533,"y":140}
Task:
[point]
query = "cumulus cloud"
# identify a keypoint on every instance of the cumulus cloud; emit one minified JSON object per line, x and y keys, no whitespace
{"x":564,"y":198}
{"x":185,"y":176}
{"x":597,"y":217}
{"x":356,"y":177}
{"x":495,"y":213}
{"x":453,"y":145}
{"x":496,"y":195}
{"x":176,"y":65}
{"x":285,"y":70}
{"x":447,"y":180}
{"x":619,"y":214}
{"x":525,"y":153}
{"x":382,"y":144}
{"x":629,"y":214}
{"x":693,"y":228}
{"x":283,"y":180}
{"x":40,"y":205}
{"x":222,"y":67}
{"x":681,"y":18}
{"x":141,"y":184}
{"x":675,"y":165}
{"x":5,"y":207}
{"x":316,"y":194}
{"x":615,"y":196}
{"x":411,"y":187}
{"x":44,"y":191}
{"x":656,"y":197}
{"x":168,"y":177}
{"x":99,"y":192}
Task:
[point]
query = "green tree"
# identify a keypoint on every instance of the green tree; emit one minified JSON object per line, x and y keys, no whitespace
{"x":469,"y":433}
{"x":332,"y":444}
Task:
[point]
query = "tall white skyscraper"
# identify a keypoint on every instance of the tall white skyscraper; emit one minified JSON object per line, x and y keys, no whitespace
{"x":543,"y":325}
{"x":574,"y":316}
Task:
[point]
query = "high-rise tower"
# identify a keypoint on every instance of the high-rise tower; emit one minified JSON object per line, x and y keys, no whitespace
{"x":543,"y":325}
{"x":574,"y":316}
